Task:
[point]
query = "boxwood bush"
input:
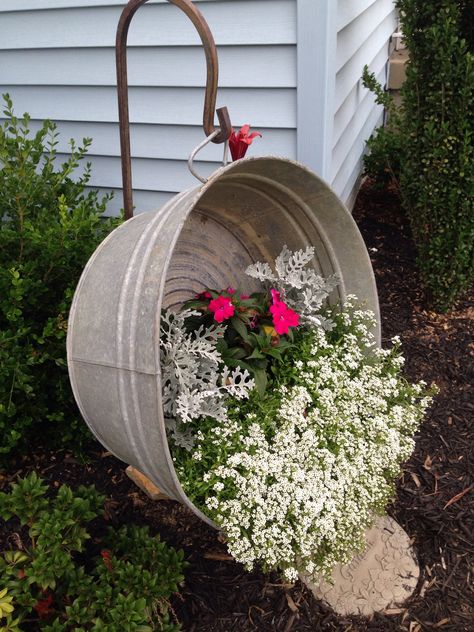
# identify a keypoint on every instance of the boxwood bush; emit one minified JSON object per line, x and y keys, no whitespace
{"x":428,"y":147}
{"x":66,"y":572}
{"x":49,"y":226}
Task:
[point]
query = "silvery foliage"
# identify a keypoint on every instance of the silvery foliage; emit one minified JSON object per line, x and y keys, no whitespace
{"x":304,"y":291}
{"x":195,"y":382}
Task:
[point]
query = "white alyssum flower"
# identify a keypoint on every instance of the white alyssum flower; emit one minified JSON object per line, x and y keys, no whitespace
{"x":298,"y":494}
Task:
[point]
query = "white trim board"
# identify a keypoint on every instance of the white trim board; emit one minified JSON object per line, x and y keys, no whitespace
{"x":316,"y":57}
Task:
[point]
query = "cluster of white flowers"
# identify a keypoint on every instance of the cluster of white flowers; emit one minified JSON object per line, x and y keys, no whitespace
{"x":299,"y":477}
{"x":299,"y":497}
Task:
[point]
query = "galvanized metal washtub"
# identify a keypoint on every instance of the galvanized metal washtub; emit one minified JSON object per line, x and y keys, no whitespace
{"x":204,"y":237}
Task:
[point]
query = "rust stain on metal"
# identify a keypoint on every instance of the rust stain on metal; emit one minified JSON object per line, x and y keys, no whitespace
{"x":210,"y":50}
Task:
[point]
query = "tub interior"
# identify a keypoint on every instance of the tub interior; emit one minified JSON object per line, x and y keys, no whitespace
{"x":241,"y":219}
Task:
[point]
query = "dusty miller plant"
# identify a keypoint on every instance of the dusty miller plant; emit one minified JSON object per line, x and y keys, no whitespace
{"x":195,"y":381}
{"x":304,"y":291}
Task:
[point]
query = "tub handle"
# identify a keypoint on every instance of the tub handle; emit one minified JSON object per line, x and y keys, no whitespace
{"x":197,"y":149}
{"x":207,"y":39}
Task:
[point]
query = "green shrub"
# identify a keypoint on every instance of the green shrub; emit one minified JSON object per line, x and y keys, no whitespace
{"x":7,"y":620}
{"x":385,"y":146}
{"x":49,"y":227}
{"x":434,"y":129}
{"x":56,"y":581}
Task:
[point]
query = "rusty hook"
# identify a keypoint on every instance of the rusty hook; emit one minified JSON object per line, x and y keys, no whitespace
{"x":207,"y":39}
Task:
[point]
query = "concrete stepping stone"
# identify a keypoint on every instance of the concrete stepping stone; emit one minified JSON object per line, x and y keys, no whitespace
{"x":383,"y":576}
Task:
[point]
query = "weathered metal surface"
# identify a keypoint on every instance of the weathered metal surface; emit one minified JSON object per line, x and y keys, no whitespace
{"x":205,"y":237}
{"x":210,"y":51}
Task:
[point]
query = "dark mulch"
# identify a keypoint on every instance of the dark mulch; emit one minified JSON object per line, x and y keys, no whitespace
{"x":435,"y":495}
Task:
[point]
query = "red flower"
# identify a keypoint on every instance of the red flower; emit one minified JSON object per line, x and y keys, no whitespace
{"x":239,"y":141}
{"x":43,"y":606}
{"x":202,"y":295}
{"x":222,"y":308}
{"x":283,"y":316}
{"x":106,"y":556}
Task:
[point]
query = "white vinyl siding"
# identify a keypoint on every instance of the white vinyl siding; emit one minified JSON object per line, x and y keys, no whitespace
{"x":363,"y":34}
{"x":57,"y":61}
{"x":290,"y":68}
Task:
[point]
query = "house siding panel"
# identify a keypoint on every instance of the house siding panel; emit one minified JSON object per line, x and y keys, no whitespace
{"x":153,"y":25}
{"x":173,"y":141}
{"x":159,"y":106}
{"x":57,"y":61}
{"x":364,"y":30}
{"x":293,"y":73}
{"x":243,"y":67}
{"x":26,"y":5}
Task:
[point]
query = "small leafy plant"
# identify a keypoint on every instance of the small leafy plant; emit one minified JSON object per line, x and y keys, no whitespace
{"x":50,"y":224}
{"x":50,"y":581}
{"x":8,"y":624}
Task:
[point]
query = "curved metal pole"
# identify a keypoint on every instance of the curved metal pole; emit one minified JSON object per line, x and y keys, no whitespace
{"x":122,"y":88}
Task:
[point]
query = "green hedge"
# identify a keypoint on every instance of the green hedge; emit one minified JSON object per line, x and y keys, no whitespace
{"x":69,"y":573}
{"x":431,"y":158}
{"x":49,"y":228}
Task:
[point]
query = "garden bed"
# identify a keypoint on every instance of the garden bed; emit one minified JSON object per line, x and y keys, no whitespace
{"x":435,"y":496}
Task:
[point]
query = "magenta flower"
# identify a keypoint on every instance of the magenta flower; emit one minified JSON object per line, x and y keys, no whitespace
{"x":283,"y":316}
{"x":230,"y":290}
{"x":239,"y":141}
{"x":222,"y":308}
{"x":276,"y":296}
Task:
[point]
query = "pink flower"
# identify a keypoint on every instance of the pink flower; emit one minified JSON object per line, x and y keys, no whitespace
{"x":222,"y":308}
{"x":283,"y":316}
{"x":244,"y":297}
{"x":239,"y":141}
{"x":276,"y":297}
{"x":230,"y":290}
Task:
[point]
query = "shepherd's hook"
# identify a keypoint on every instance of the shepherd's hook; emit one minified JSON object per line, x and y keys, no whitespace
{"x":207,"y":39}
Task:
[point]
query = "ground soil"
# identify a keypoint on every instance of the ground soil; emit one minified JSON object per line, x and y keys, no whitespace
{"x":435,"y":494}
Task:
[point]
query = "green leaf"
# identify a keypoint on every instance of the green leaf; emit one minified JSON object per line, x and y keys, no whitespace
{"x":256,"y":354}
{"x":222,"y":346}
{"x":239,"y":327}
{"x":275,"y":353}
{"x":238,"y":353}
{"x":261,"y":381}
